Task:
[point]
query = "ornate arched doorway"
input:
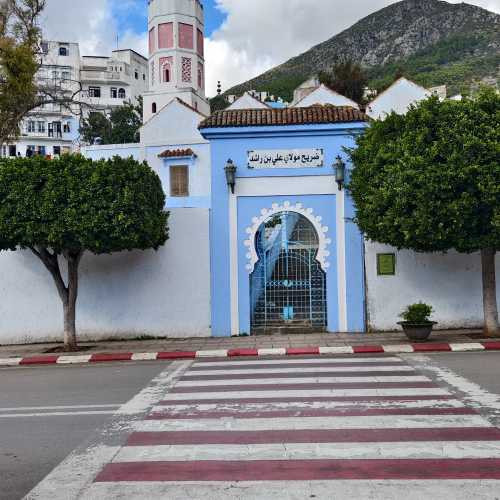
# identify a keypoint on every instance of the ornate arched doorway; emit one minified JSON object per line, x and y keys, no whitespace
{"x":288,"y":284}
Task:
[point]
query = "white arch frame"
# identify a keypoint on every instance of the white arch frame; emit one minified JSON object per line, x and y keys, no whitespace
{"x":308,"y":213}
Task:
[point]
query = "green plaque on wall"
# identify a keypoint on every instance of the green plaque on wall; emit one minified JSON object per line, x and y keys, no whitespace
{"x":386,"y":264}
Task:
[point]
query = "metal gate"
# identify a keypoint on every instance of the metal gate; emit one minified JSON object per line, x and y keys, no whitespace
{"x":287,"y":286}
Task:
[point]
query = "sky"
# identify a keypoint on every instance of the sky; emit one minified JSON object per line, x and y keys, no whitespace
{"x":243,"y":37}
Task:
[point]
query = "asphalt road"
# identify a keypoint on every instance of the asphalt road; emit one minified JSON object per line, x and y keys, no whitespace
{"x":33,"y":438}
{"x":45,"y":413}
{"x":482,"y":368}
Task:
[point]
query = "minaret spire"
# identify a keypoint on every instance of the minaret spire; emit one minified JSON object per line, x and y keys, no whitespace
{"x":176,"y":55}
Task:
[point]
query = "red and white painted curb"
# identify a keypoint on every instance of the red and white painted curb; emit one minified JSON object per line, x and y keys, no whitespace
{"x":234,"y":353}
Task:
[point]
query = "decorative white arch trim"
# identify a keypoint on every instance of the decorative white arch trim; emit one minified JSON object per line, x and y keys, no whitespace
{"x":308,"y":213}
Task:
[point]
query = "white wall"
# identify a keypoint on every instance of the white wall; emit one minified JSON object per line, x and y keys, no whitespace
{"x":323,"y":95}
{"x":164,"y":293}
{"x":451,"y":283}
{"x":398,"y":97}
{"x":246,"y":101}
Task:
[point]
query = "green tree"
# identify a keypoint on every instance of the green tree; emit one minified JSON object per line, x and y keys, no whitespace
{"x":218,"y":103}
{"x":61,"y":208}
{"x":96,"y":126}
{"x":429,"y":181}
{"x":19,"y":62}
{"x":347,"y":78}
{"x":120,"y":127}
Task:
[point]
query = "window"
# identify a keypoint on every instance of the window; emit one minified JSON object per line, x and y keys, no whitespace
{"x":94,"y":91}
{"x":31,"y":127}
{"x":152,"y":72}
{"x":386,"y":264}
{"x":121,"y":94}
{"x":45,"y":48}
{"x":153,"y":108}
{"x":166,"y":73}
{"x":30,"y":151}
{"x":179,"y":181}
{"x":63,"y":51}
{"x":41,"y":127}
{"x":186,"y":36}
{"x":200,"y":76}
{"x":66,"y":75}
{"x":144,"y":76}
{"x":186,"y":70}
{"x":55,"y":75}
{"x":114,"y":93}
{"x":40,"y":150}
{"x":12,"y":150}
{"x":55,"y":129}
{"x":56,"y":150}
{"x":136,"y":75}
{"x":199,"y":44}
{"x":67,"y":127}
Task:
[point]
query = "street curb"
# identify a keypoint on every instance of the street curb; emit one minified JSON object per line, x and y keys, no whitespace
{"x":239,"y":353}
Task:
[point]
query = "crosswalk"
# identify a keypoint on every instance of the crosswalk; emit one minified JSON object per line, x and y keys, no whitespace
{"x":296,"y":428}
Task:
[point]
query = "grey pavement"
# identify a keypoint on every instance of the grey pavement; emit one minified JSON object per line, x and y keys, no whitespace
{"x":271,"y":341}
{"x":46,"y":412}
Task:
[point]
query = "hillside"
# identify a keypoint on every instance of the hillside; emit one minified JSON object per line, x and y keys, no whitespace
{"x":431,"y":41}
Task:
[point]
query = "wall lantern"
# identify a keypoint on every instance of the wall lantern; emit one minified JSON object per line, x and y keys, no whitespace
{"x":339,"y":166}
{"x":230,"y":170}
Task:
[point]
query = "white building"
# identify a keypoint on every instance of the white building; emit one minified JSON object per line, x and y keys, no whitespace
{"x":107,"y":82}
{"x":100,"y":83}
{"x":398,"y":97}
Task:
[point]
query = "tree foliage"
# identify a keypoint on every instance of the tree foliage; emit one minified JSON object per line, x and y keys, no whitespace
{"x":61,"y":208}
{"x":347,"y":78}
{"x":429,"y":181}
{"x":19,"y":62}
{"x":120,"y":127}
{"x":218,"y":103}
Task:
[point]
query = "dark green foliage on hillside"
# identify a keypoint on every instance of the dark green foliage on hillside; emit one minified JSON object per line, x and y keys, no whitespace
{"x":218,"y":103}
{"x":452,"y":62}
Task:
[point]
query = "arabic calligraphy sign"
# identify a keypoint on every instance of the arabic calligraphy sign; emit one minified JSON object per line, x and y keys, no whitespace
{"x":289,"y":158}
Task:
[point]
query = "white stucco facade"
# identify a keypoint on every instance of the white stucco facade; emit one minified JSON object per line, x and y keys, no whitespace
{"x":398,"y":98}
{"x":323,"y":95}
{"x":247,"y":101}
{"x":450,"y":282}
{"x":126,"y":295}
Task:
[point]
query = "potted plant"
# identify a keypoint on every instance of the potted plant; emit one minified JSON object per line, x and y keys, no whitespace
{"x":416,"y":322}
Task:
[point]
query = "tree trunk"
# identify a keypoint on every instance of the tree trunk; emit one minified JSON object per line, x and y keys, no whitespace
{"x":491,"y":326}
{"x":70,"y":304}
{"x":68,"y":293}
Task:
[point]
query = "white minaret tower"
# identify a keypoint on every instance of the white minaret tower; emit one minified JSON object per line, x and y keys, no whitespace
{"x":176,"y":60}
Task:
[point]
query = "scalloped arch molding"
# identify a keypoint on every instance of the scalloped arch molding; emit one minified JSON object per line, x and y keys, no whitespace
{"x":308,"y":213}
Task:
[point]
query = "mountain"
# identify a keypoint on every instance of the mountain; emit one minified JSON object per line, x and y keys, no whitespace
{"x":430,"y":41}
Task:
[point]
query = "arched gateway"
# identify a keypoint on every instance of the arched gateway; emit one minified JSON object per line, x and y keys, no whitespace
{"x":287,"y":285}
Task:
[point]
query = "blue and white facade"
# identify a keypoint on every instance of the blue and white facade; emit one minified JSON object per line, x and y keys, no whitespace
{"x":260,"y":194}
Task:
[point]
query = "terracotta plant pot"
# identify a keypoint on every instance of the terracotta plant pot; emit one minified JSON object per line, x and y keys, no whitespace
{"x":417,"y":332}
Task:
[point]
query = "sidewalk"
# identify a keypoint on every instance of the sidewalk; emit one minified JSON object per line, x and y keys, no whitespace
{"x":324,"y":343}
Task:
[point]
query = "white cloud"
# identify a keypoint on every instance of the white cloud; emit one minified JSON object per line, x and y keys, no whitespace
{"x":256,"y":35}
{"x":90,"y":23}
